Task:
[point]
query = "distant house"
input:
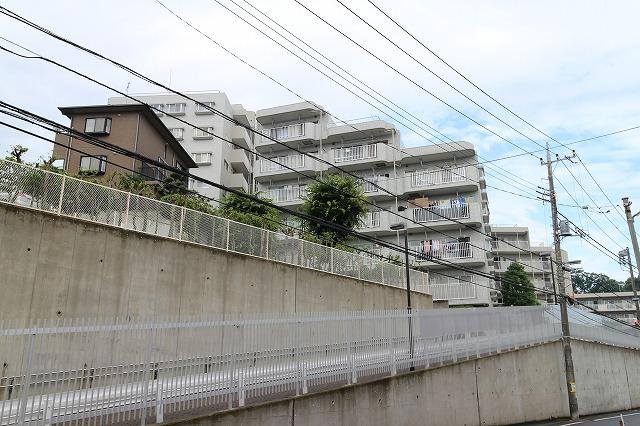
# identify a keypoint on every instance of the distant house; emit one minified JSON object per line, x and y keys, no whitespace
{"x":134,"y":127}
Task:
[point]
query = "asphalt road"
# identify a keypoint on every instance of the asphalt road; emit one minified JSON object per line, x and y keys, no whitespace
{"x":631,"y":418}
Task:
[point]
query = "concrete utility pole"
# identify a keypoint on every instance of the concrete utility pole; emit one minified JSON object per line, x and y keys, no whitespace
{"x":634,"y":242}
{"x":564,"y":316}
{"x":633,"y":281}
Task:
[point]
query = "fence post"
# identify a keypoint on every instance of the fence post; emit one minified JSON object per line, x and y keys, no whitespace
{"x":331,"y":251}
{"x":24,"y":391}
{"x":64,"y":181}
{"x":159,"y":403}
{"x":181,"y":222}
{"x":48,"y":410}
{"x":267,"y":234}
{"x":228,"y":229}
{"x":126,"y":211}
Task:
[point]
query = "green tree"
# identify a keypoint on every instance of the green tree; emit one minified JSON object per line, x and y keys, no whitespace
{"x":172,"y":184}
{"x":627,"y":284}
{"x":591,"y":282}
{"x":517,"y":289}
{"x":16,"y":152}
{"x":336,"y":199}
{"x":244,"y":210}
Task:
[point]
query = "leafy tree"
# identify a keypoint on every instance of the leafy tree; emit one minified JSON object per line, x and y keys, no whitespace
{"x":591,"y":282}
{"x":190,"y":201}
{"x":172,"y":184}
{"x":132,"y":182}
{"x":627,"y":284}
{"x":517,"y":289}
{"x":244,"y":210}
{"x":16,"y":153}
{"x":336,"y":199}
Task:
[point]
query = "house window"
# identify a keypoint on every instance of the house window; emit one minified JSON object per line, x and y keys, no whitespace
{"x":157,"y":108}
{"x":201,"y":157}
{"x":98,"y":125}
{"x":205,"y":107}
{"x":178,"y":108}
{"x":96,"y":164}
{"x":177,"y":133}
{"x":203,"y":133}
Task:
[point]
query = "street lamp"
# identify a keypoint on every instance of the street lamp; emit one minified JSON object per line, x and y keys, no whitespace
{"x":402,"y":227}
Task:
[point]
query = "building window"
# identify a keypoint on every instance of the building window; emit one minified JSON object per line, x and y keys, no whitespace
{"x":203,"y":133}
{"x":178,"y":108}
{"x":96,"y":164}
{"x":156,"y":107}
{"x":286,"y":132}
{"x":99,"y":126}
{"x":204,"y":107}
{"x":201,"y":157}
{"x":177,"y":132}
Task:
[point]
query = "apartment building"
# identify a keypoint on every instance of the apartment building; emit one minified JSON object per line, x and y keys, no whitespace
{"x":133,"y":127}
{"x":535,"y":257}
{"x":618,"y":305}
{"x":427,"y":186}
{"x":218,"y":160}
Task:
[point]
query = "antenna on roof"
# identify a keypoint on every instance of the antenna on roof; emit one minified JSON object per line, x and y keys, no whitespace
{"x":128,"y":84}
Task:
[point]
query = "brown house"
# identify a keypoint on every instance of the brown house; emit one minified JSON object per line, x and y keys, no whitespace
{"x":133,"y":127}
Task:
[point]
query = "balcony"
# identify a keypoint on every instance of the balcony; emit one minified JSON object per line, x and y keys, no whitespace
{"x":236,"y":181}
{"x":280,"y":167}
{"x":286,"y":195}
{"x":441,"y":212}
{"x":530,"y":266}
{"x":362,"y":156}
{"x":510,"y":246}
{"x":377,"y":187}
{"x":240,"y":161}
{"x":307,"y":133}
{"x":436,"y":249}
{"x":241,"y":136}
{"x":435,"y":181}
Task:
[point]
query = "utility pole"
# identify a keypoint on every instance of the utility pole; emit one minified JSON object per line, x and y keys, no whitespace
{"x":627,"y":259}
{"x":634,"y":242}
{"x":564,"y":316}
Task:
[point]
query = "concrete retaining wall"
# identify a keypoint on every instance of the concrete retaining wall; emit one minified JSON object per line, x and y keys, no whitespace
{"x":54,"y":266}
{"x":509,"y":388}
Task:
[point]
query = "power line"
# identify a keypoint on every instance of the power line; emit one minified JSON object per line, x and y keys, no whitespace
{"x":35,"y":26}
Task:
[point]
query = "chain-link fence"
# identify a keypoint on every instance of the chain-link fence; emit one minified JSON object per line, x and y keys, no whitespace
{"x":66,"y":196}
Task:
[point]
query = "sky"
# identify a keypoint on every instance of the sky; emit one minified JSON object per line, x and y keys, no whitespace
{"x":570,"y":68}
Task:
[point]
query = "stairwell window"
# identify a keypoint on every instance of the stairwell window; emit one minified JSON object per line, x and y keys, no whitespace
{"x":98,"y":126}
{"x":96,"y":164}
{"x":201,"y":157}
{"x":203,"y":133}
{"x":177,"y":132}
{"x":175,"y":109}
{"x":205,"y":107}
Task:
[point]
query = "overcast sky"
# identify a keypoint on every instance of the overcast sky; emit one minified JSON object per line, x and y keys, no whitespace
{"x":570,"y":68}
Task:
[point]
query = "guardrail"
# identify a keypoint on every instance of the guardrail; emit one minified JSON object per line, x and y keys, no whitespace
{"x":43,"y":190}
{"x":103,"y":372}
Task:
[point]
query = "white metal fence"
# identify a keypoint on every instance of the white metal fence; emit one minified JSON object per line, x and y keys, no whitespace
{"x":124,"y":371}
{"x":436,"y":177}
{"x":441,"y":212}
{"x":52,"y":192}
{"x":437,"y":249}
{"x":352,"y":153}
{"x":287,"y":193}
{"x":295,"y":161}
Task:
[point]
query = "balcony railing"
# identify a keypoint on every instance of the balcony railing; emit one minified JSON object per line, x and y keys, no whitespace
{"x":436,"y":177}
{"x":435,"y":249}
{"x":352,"y":153}
{"x":286,"y":132}
{"x":453,"y":288}
{"x":371,"y":220}
{"x":280,"y":195}
{"x":281,"y":163}
{"x":528,"y":265}
{"x":441,"y":212}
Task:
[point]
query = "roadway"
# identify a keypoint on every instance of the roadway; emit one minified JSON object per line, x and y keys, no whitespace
{"x":631,"y":418}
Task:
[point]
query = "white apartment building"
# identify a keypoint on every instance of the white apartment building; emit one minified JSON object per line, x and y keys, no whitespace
{"x":539,"y":268}
{"x":618,"y":305}
{"x":438,"y":182}
{"x":217,"y":160}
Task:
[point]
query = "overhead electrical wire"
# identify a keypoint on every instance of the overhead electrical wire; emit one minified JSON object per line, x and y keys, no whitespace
{"x":93,"y":140}
{"x":39,"y":28}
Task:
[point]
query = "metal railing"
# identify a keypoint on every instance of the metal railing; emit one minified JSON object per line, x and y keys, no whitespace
{"x":443,"y":250}
{"x":115,"y":371}
{"x":295,"y":161}
{"x":447,"y":288}
{"x":531,"y":266}
{"x":83,"y":371}
{"x":285,"y":132}
{"x":437,"y":177}
{"x":436,"y":213}
{"x":66,"y":196}
{"x":352,"y":153}
{"x":290,"y":193}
